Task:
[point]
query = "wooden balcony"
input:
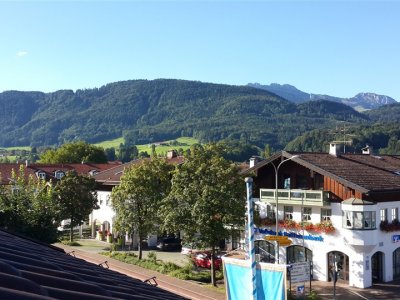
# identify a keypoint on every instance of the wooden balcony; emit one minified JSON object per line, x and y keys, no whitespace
{"x":296,"y":197}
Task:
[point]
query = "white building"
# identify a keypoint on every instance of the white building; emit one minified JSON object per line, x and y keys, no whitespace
{"x":356,"y":194}
{"x":103,"y":218}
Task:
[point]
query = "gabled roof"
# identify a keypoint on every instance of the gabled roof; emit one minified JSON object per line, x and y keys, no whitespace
{"x":49,"y":169}
{"x":30,"y":270}
{"x":362,"y":172}
{"x":113,"y":176}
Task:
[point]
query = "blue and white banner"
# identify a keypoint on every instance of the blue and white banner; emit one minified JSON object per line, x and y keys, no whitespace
{"x":270,"y":279}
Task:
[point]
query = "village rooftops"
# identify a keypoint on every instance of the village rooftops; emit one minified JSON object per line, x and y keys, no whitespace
{"x":113,"y":176}
{"x":50,"y":171}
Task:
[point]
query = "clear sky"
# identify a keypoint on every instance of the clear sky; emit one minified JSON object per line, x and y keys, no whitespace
{"x":339,"y":48}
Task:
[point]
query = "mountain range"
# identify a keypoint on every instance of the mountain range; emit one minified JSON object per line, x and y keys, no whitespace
{"x":146,"y":111}
{"x":360,"y":102}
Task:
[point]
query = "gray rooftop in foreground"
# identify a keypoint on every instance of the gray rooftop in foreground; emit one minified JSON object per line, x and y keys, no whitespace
{"x":32,"y":270}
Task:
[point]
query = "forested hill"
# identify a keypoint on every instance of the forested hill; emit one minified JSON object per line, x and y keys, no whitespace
{"x":149,"y":111}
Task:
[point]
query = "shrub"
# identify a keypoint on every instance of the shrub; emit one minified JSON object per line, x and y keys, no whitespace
{"x":152,"y":256}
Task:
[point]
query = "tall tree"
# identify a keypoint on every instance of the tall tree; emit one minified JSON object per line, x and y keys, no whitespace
{"x":207,"y":197}
{"x":137,"y":199}
{"x":76,"y":152}
{"x":77,"y":198}
{"x":28,"y":206}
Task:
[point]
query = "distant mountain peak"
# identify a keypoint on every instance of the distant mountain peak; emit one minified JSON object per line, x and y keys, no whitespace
{"x":361,"y":101}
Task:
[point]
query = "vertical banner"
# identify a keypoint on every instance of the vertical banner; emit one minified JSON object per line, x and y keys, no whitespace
{"x":270,"y":280}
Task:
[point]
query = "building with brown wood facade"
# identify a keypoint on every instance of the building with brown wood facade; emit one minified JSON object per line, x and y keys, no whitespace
{"x":334,"y":207}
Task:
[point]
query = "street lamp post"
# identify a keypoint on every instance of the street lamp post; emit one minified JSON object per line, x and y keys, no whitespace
{"x":276,"y":200}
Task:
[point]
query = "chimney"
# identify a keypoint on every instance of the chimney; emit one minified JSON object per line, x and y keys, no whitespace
{"x":367,"y":150}
{"x":254,"y":160}
{"x":334,"y":149}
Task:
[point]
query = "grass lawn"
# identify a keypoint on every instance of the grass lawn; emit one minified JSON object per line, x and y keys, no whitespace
{"x":182,"y":142}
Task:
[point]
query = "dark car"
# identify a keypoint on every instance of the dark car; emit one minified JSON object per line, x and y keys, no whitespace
{"x":170,"y":244}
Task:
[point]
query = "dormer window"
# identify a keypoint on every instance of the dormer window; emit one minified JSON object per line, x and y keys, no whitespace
{"x":41,"y":175}
{"x":59,"y":174}
{"x":93,"y":172}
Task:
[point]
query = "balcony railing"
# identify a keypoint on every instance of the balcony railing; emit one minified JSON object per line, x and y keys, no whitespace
{"x":296,"y":197}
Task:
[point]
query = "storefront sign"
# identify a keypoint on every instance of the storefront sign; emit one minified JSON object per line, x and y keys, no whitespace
{"x":317,"y":238}
{"x":300,"y":272}
{"x":396,"y":238}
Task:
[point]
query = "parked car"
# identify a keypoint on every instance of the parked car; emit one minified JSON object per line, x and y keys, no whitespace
{"x":190,"y":248}
{"x":203,"y":260}
{"x":170,"y":244}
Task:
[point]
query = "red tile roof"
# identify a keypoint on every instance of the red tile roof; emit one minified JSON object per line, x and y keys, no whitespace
{"x":49,"y":169}
{"x":113,"y":176}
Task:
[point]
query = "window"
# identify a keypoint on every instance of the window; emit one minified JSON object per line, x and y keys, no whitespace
{"x":359,"y":219}
{"x":59,"y":174}
{"x":93,"y":172}
{"x":298,"y":253}
{"x":383,"y":214}
{"x":395,"y":213}
{"x":108,"y":200}
{"x":326,"y":214}
{"x":286,"y":182}
{"x":41,"y":175}
{"x":288,"y":212}
{"x":265,"y":250}
{"x":307,"y":211}
{"x":347,"y":219}
{"x":271,"y":211}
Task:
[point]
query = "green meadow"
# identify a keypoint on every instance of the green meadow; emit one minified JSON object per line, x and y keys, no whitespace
{"x":162,"y":148}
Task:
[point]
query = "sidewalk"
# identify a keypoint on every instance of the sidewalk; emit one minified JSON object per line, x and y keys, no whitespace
{"x":181,"y":287}
{"x":191,"y":290}
{"x":387,"y":291}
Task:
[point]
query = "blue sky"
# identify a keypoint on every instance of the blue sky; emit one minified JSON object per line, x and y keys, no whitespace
{"x":338,"y":48}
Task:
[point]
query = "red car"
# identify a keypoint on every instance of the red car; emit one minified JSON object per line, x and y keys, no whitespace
{"x":203,"y":260}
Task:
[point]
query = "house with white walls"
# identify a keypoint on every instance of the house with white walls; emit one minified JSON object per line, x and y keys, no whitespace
{"x":102,"y":219}
{"x":333,"y":207}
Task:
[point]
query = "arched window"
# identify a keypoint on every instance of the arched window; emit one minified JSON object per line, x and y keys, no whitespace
{"x":265,"y":250}
{"x":396,"y":263}
{"x":297,"y":253}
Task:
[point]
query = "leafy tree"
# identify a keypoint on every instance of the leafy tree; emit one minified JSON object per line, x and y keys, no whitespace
{"x":110,"y":154}
{"x":28,"y":206}
{"x":76,"y":152}
{"x":207,"y":197}
{"x":267,"y":151}
{"x":137,"y":199}
{"x":77,"y":198}
{"x":127,"y":153}
{"x":237,"y":151}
